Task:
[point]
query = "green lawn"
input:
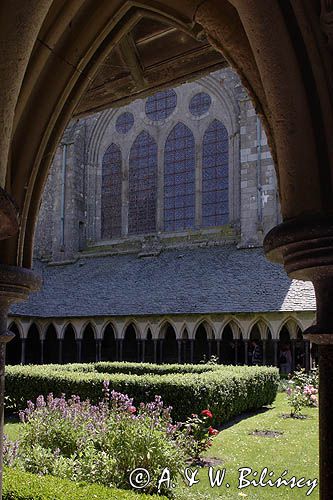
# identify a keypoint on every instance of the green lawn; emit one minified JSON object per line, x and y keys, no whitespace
{"x":295,"y":450}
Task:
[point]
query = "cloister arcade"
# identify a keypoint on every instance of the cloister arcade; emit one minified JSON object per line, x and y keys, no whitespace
{"x":159,"y":340}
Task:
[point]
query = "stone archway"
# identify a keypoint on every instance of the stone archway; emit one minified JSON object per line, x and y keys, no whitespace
{"x":227,"y":346}
{"x":88,"y":352}
{"x":201,"y":349}
{"x":130,"y":347}
{"x":51,"y":345}
{"x":14,"y":348}
{"x":33,"y":351}
{"x":54,"y":58}
{"x":109,"y":348}
{"x":69,"y":347}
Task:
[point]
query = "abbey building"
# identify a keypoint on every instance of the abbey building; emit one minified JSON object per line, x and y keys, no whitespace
{"x":150,"y":236}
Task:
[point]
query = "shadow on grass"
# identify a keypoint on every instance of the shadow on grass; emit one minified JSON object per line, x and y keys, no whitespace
{"x":245,"y":415}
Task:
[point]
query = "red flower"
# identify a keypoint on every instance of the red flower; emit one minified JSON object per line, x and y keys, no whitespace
{"x":132,"y":409}
{"x":212,"y":432}
{"x":207,"y":413}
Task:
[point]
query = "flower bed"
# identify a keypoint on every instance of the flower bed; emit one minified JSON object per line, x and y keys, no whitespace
{"x":226,"y":390}
{"x":107,"y":442}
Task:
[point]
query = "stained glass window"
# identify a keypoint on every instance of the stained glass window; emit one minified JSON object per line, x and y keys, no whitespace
{"x":111,"y":193}
{"x":124,"y":122}
{"x":160,"y":105}
{"x":179,"y":179}
{"x":142,"y":185}
{"x":215,"y":175}
{"x":200,"y":104}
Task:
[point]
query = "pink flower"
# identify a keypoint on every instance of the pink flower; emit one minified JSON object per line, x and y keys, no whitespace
{"x":207,"y":413}
{"x":132,"y":409}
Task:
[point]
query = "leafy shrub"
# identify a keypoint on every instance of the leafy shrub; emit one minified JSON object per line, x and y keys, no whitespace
{"x":19,"y":485}
{"x":226,"y":390}
{"x":102,"y":443}
{"x":198,"y":433}
{"x":302,"y":390}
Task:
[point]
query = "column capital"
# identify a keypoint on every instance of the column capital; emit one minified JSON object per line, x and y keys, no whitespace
{"x":16,"y":283}
{"x":304,"y":245}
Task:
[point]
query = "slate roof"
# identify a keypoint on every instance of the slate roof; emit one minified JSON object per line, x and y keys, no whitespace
{"x":198,"y":280}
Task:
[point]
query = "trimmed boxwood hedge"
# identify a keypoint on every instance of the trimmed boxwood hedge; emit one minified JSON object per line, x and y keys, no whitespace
{"x":18,"y":485}
{"x":226,"y":390}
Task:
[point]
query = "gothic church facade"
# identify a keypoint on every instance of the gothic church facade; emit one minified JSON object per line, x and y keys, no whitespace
{"x":143,"y":205}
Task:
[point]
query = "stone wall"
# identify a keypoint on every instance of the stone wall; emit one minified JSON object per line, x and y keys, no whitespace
{"x":70,"y":215}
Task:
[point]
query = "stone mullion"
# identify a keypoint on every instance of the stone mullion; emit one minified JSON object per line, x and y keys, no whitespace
{"x":160,"y":189}
{"x":124,"y":195}
{"x":198,"y":184}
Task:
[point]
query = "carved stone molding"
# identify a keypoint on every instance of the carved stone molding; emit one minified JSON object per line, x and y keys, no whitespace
{"x":305,"y":247}
{"x":8,"y":216}
{"x":16,"y":283}
{"x":326,"y":19}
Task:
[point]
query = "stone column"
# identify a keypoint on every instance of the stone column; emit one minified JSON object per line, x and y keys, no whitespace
{"x":15,"y":285}
{"x":23,"y":342}
{"x":218,"y":349}
{"x":42,"y":351}
{"x":98,"y":349}
{"x":209,"y":348}
{"x":184,"y":344}
{"x":79,"y":350}
{"x":161,"y":351}
{"x":116,"y":341}
{"x":276,"y":343}
{"x":155,"y":350}
{"x":179,"y":342}
{"x":236,"y":351}
{"x":293,"y":352}
{"x":192,"y":350}
{"x":307,"y":355}
{"x":143,"y":350}
{"x":264,"y":345}
{"x":120,"y":345}
{"x":305,"y":247}
{"x":246,"y":348}
{"x":60,"y":344}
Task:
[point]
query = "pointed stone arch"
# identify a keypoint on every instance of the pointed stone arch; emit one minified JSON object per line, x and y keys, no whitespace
{"x":33,"y":348}
{"x":14,"y":347}
{"x":109,"y":342}
{"x":88,"y":339}
{"x":130,"y":342}
{"x":51,"y":345}
{"x":69,"y":344}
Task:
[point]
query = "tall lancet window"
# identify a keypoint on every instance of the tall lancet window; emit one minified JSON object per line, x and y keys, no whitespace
{"x":215,"y":211}
{"x":142,"y":185}
{"x":179,"y":179}
{"x":111,"y":193}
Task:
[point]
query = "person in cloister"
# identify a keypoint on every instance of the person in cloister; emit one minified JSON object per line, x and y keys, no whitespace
{"x":285,"y":359}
